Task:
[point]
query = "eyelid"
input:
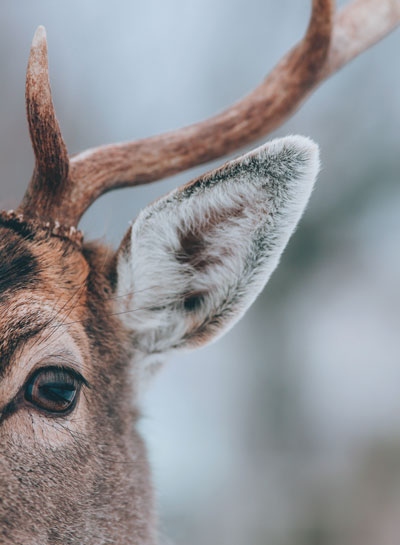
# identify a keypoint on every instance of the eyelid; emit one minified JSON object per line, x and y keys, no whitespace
{"x":64,"y":359}
{"x":47,"y":364}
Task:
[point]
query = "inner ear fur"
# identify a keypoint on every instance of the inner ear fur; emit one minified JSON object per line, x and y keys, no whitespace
{"x":194,"y":261}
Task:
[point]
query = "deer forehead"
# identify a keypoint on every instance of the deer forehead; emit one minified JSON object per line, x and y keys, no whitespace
{"x":29,"y":259}
{"x":42,"y":289}
{"x":47,"y":265}
{"x":51,"y":292}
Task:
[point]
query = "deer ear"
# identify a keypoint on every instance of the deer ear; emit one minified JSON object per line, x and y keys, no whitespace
{"x":195,"y":260}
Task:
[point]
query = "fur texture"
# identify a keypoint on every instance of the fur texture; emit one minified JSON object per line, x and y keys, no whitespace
{"x":187,"y":269}
{"x":194,"y":261}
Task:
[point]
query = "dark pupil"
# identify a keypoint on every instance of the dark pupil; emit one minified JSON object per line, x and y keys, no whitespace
{"x":58,"y":392}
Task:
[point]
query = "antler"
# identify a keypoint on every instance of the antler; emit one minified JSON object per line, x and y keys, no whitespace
{"x":50,"y":177}
{"x":329,"y":43}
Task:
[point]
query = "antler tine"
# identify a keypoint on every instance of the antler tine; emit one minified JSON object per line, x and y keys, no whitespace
{"x":50,"y":177}
{"x":358,"y":26}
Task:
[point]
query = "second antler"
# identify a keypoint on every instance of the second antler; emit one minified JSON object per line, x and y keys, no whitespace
{"x":65,"y":188}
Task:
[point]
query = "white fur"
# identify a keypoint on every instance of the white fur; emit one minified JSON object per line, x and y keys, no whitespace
{"x":239,"y":219}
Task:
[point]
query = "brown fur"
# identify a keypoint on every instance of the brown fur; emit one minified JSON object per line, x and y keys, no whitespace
{"x":95,"y":488}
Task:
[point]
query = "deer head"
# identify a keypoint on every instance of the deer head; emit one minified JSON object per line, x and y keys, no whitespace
{"x":81,"y":326}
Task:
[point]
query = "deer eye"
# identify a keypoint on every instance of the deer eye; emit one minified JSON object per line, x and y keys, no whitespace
{"x":53,"y":390}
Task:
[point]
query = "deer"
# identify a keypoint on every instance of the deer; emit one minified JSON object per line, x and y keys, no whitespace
{"x":83,"y":327}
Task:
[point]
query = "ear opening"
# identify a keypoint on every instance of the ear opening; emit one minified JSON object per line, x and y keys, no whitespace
{"x":195,"y":260}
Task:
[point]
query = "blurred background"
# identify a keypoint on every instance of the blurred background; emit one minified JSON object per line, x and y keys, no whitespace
{"x":287,"y":431}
